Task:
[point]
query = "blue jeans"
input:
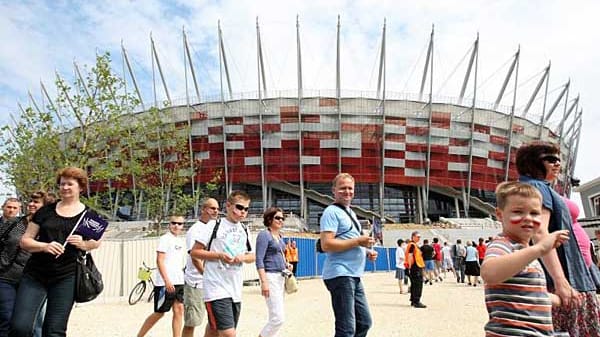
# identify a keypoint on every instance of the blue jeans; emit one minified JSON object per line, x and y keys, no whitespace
{"x":350,"y":308}
{"x":8,"y":294}
{"x":30,"y":298}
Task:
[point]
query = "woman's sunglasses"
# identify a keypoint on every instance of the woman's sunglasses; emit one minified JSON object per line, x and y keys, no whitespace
{"x":552,"y":159}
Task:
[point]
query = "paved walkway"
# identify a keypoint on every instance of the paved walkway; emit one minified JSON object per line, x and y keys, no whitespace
{"x":452,"y":308}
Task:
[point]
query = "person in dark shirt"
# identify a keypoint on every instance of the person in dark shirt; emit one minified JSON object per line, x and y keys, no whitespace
{"x":12,"y":259}
{"x":50,"y":272}
{"x":428,"y":255}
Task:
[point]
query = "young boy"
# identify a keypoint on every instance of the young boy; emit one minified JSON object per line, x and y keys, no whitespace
{"x":515,"y":287}
{"x":400,"y":274}
{"x":169,"y":281}
{"x":224,"y":254}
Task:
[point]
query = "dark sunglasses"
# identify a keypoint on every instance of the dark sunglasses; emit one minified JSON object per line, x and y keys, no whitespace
{"x":176,"y":223}
{"x":241,"y":207}
{"x":552,"y":159}
{"x":280,"y":218}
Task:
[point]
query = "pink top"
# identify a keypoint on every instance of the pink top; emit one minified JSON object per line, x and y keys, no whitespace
{"x":583,"y":239}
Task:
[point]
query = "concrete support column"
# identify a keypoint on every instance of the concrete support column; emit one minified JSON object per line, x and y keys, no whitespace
{"x":419,"y":203}
{"x":457,"y":207}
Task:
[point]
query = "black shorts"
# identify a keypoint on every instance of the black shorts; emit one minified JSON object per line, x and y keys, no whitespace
{"x":223,"y":313}
{"x":163,"y":300}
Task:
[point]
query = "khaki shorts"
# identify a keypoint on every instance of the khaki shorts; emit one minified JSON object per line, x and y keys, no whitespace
{"x":193,"y":304}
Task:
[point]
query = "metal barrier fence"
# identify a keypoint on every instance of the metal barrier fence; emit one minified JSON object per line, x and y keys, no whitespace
{"x":119,"y":260}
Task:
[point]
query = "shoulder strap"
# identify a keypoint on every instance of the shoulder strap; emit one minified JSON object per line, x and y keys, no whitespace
{"x":356,"y":224}
{"x":10,"y":228}
{"x":248,"y":246}
{"x":214,"y":233}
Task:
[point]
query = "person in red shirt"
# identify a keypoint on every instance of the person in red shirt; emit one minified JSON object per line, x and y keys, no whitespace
{"x":437,"y":248}
{"x":481,"y":248}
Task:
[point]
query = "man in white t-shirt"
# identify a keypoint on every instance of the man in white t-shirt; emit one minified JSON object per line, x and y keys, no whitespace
{"x":168,"y":280}
{"x":223,"y":253}
{"x":193,"y":301}
{"x":447,"y":263}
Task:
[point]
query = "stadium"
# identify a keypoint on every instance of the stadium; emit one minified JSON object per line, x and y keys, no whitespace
{"x":416,"y":157}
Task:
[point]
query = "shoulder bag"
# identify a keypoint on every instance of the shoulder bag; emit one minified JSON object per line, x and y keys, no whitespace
{"x":291,"y":283}
{"x":88,"y":279}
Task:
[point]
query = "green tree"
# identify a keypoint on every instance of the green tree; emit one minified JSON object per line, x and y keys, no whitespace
{"x":92,"y":124}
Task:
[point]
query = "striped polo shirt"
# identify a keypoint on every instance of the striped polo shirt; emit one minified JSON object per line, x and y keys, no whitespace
{"x":519,"y":306}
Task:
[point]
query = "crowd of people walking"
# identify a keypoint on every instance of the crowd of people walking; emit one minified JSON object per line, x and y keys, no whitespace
{"x":540,"y":275}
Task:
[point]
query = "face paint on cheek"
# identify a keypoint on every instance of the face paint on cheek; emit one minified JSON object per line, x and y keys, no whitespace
{"x":515,"y":219}
{"x":536,"y":221}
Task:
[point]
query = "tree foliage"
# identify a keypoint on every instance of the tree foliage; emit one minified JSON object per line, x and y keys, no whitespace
{"x":92,"y":124}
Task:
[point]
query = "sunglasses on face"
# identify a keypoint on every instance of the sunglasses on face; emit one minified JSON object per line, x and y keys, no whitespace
{"x":278,"y":218}
{"x":242,"y":207}
{"x":552,"y":159}
{"x":176,"y":223}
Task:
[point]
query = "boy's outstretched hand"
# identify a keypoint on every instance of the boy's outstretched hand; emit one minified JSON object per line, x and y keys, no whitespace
{"x":553,"y":240}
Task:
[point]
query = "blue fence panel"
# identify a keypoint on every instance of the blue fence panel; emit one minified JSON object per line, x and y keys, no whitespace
{"x":382,"y":262}
{"x":306,"y":257}
{"x":310,"y":263}
{"x":370,"y":265}
{"x":392,"y":257}
{"x":320,"y":261}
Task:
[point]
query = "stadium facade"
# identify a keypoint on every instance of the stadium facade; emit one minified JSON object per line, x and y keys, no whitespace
{"x":414,"y":157}
{"x":399,"y":152}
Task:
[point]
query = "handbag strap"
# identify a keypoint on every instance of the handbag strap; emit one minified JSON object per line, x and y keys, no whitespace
{"x":281,"y":249}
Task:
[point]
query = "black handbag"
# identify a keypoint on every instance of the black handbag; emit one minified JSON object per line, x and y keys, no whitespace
{"x":88,"y":282}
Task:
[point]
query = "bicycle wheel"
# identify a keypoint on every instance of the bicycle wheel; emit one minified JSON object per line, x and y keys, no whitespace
{"x":137,"y":292}
{"x":151,"y":296}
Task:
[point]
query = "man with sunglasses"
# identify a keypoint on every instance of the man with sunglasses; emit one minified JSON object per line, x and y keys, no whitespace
{"x":168,"y":279}
{"x":194,"y":268}
{"x":224,"y":250}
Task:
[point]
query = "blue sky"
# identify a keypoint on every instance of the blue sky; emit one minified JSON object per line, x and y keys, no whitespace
{"x":40,"y":37}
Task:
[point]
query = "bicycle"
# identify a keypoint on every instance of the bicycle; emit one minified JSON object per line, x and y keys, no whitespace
{"x":145,"y":277}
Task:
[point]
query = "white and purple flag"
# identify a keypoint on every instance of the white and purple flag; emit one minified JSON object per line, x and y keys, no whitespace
{"x":92,"y":226}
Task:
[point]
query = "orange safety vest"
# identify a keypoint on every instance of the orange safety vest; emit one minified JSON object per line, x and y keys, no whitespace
{"x":293,"y":254}
{"x":417,"y":256}
{"x":288,"y":253}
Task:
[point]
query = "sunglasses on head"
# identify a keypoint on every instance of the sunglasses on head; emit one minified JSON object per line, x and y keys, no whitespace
{"x":242,"y":207}
{"x":279,"y":218}
{"x":176,"y":223}
{"x":552,"y":159}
